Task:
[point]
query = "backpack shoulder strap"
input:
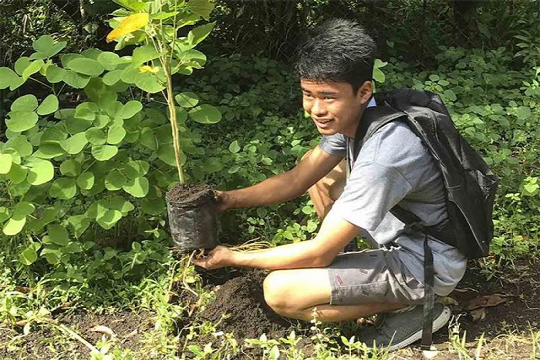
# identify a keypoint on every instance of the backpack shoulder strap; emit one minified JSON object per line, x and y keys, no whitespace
{"x":373,"y":119}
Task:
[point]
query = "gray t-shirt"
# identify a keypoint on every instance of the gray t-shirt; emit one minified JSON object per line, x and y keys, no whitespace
{"x":393,"y":166}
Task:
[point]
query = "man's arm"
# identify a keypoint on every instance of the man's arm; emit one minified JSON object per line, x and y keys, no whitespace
{"x":335,"y":233}
{"x":285,"y":186}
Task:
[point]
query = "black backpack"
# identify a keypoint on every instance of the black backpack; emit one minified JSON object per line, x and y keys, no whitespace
{"x":470,"y":186}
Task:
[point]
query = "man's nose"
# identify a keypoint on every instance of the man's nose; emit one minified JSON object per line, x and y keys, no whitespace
{"x":318,"y":108}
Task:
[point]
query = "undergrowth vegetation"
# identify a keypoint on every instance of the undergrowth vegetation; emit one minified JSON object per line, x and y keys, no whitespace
{"x":88,"y":155}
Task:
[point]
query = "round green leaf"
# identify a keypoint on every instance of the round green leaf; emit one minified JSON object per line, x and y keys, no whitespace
{"x":149,"y":82}
{"x":112,"y":77}
{"x":33,"y":68}
{"x":70,"y":168}
{"x":40,"y":171}
{"x":523,"y":112}
{"x":95,"y":136}
{"x":21,"y":64}
{"x":21,"y":145}
{"x":115,"y":180}
{"x":109,"y":218}
{"x":25,"y":103}
{"x":14,"y":226}
{"x":49,"y":149}
{"x":7,"y":77}
{"x":137,"y":187}
{"x":205,"y":114}
{"x":187,"y":99}
{"x":28,"y":256}
{"x":130,"y":109}
{"x":104,"y":152}
{"x":4,"y":213}
{"x":43,"y":44}
{"x":86,"y":180}
{"x":74,"y":144}
{"x":58,"y":234}
{"x":79,"y":223}
{"x":116,"y":134}
{"x":155,"y":206}
{"x":108,"y":60}
{"x":55,"y":74}
{"x":63,"y":188}
{"x":48,"y":106}
{"x":148,"y":138}
{"x":85,"y":66}
{"x":76,"y":80}
{"x":17,"y":174}
{"x":5,"y":163}
{"x":234,"y":147}
{"x":21,"y":120}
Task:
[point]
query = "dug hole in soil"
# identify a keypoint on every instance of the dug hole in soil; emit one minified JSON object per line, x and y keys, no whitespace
{"x":239,"y":308}
{"x":192,"y":217}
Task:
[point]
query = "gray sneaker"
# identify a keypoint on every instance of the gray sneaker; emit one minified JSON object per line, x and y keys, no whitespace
{"x":399,"y":329}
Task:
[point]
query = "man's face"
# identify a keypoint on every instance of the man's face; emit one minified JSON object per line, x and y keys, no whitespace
{"x":333,"y":106}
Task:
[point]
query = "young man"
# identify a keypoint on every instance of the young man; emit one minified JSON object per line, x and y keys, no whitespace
{"x":335,"y":66}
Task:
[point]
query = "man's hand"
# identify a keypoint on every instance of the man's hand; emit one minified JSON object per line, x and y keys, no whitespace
{"x":220,"y":257}
{"x":224,"y":201}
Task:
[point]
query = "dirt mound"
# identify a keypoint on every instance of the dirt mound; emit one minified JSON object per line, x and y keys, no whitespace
{"x":248,"y":316}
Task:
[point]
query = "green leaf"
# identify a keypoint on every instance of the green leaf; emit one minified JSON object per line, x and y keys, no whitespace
{"x":58,"y":234}
{"x":121,"y":204}
{"x":378,"y":75}
{"x":28,"y":256}
{"x":63,"y":188}
{"x":130,"y":109}
{"x":55,"y":74}
{"x":25,"y":103}
{"x":187,"y":99}
{"x":104,"y":152}
{"x":135,"y":169}
{"x":7,"y":78}
{"x":115,"y":180}
{"x":205,"y":114}
{"x":153,"y":206}
{"x":137,"y":187}
{"x":143,"y":54}
{"x":108,"y":60}
{"x":75,"y":80}
{"x":434,"y":77}
{"x":5,"y":163}
{"x":20,"y":121}
{"x":74,"y":144}
{"x":450,"y":95}
{"x":112,"y":77}
{"x":86,"y":111}
{"x":523,"y":113}
{"x":166,"y":154}
{"x":148,"y":139}
{"x":72,"y":248}
{"x":70,"y":168}
{"x":33,"y":68}
{"x":201,"y":7}
{"x":234,"y":147}
{"x":43,"y":44}
{"x":17,"y":174}
{"x":200,"y":33}
{"x":4,"y":213}
{"x":79,"y":223}
{"x":14,"y":226}
{"x":109,"y":219}
{"x":49,"y":149}
{"x":96,"y":136}
{"x":234,"y":169}
{"x":21,"y":64}
{"x":48,"y":106}
{"x":149,"y":82}
{"x":86,"y":180}
{"x":41,"y":171}
{"x":116,"y":134}
{"x":20,"y":144}
{"x":85,"y":66}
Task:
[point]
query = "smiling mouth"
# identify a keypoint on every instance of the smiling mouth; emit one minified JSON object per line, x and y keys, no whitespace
{"x":321,"y":121}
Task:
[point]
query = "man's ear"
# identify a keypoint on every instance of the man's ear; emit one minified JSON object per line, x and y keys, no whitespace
{"x":365,"y":92}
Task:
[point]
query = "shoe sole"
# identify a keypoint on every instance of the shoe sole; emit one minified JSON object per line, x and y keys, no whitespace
{"x":438,"y":323}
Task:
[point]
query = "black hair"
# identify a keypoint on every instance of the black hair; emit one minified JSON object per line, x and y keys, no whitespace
{"x":337,"y":51}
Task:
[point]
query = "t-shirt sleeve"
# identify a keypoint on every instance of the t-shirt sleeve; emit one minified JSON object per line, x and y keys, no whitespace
{"x":334,"y":144}
{"x":371,"y":191}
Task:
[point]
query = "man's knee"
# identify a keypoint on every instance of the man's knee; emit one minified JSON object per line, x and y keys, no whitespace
{"x":277,"y":291}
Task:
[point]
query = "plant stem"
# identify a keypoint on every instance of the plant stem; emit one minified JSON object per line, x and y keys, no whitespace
{"x":172,"y":117}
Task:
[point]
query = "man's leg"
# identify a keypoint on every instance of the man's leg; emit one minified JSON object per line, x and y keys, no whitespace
{"x":295,"y":293}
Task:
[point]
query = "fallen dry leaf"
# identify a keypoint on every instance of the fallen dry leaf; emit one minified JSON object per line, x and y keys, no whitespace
{"x":131,"y":334}
{"x":485,"y":301}
{"x":478,"y":314}
{"x":447,"y":300}
{"x":103,"y":330}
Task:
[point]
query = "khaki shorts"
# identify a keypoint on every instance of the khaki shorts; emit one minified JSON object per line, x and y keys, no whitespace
{"x":372,"y":276}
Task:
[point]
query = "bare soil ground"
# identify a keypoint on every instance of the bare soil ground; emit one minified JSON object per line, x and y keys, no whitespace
{"x":506,"y":310}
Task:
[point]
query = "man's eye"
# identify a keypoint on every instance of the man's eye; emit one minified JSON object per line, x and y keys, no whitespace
{"x":307,"y":95}
{"x":329,"y":98}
